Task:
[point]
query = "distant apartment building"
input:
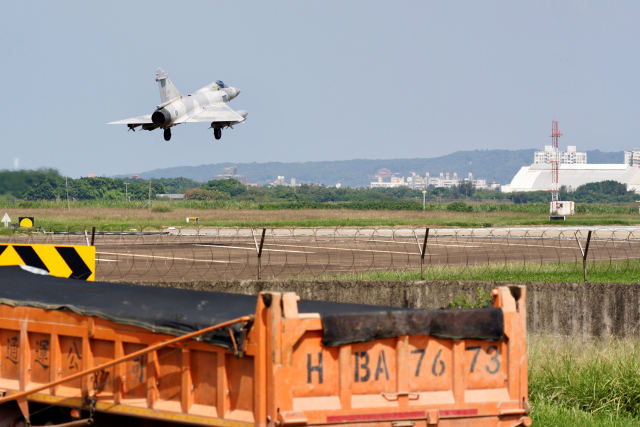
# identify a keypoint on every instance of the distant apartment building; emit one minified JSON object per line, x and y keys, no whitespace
{"x":281,"y":181}
{"x":395,"y":182}
{"x":571,"y":156}
{"x":416,"y":182}
{"x":632,"y":158}
{"x":231,"y":173}
{"x":444,"y":180}
{"x":494,"y":186}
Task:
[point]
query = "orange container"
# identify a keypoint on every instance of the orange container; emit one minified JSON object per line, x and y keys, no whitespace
{"x":280,"y":373}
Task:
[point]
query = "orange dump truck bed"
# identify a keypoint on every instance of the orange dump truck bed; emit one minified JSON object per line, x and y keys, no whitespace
{"x":284,"y":363}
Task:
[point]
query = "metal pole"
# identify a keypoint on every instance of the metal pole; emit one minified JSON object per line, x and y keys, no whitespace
{"x":264,"y":231}
{"x":149,"y":194}
{"x":66,"y":184}
{"x":126,"y":191}
{"x":424,"y":249}
{"x":93,"y":236}
{"x":584,"y":251}
{"x":584,"y":256}
{"x":424,"y":193}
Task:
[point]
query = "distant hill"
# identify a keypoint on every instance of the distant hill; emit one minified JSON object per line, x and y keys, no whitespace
{"x":501,"y":164}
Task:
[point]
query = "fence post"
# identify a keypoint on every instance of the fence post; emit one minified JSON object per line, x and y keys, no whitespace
{"x":585,"y":252}
{"x":93,"y":236}
{"x":259,"y":248}
{"x":424,"y":249}
{"x":584,"y":256}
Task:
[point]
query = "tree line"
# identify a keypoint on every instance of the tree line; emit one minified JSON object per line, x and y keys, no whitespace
{"x":49,"y":184}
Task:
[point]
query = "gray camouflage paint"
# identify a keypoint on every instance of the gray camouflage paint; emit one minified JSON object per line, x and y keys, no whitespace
{"x":207,"y":104}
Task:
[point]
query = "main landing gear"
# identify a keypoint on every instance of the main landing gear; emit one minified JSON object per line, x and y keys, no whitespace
{"x":167,"y":134}
{"x":217,"y":132}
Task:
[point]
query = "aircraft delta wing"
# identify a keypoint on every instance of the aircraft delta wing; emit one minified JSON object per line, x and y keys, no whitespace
{"x":208,"y":104}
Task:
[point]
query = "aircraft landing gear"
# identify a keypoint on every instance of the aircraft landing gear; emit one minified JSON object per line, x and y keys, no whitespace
{"x":167,"y":134}
{"x":217,"y":132}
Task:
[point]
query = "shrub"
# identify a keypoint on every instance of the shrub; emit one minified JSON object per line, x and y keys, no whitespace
{"x":482,"y":300}
{"x":232,"y":187}
{"x":161,"y":208}
{"x":459,"y":207}
{"x":200,"y":194}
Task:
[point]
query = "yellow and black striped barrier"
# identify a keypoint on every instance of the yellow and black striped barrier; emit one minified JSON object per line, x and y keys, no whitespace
{"x":74,"y":262}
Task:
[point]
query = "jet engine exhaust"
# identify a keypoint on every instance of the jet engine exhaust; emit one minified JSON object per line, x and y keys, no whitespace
{"x":160,"y":117}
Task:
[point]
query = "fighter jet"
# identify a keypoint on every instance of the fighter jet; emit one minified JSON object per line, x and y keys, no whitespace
{"x":204,"y":105}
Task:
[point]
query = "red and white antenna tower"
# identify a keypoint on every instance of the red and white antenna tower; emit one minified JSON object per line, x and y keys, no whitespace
{"x":555,"y":160}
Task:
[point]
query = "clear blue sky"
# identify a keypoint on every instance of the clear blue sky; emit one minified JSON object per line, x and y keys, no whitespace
{"x":329,"y":80}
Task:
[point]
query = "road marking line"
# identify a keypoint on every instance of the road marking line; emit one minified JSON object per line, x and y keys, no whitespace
{"x":352,"y":250}
{"x":428,"y":243}
{"x":171,"y":258}
{"x":253,"y":249}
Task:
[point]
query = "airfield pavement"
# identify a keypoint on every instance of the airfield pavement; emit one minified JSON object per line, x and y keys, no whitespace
{"x":189,"y":253}
{"x":213,"y":254}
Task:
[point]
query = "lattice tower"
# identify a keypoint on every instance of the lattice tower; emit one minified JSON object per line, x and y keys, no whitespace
{"x":555,"y":160}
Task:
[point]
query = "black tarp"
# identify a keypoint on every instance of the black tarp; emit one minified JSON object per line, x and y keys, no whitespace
{"x":180,"y":311}
{"x":345,"y":328}
{"x":164,"y":310}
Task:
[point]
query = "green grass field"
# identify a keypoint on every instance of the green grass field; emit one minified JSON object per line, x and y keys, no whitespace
{"x":119,"y":215}
{"x":576,"y":383}
{"x":597,"y":271}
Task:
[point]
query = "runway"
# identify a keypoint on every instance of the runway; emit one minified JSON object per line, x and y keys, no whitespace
{"x":224,"y":254}
{"x":227,"y":254}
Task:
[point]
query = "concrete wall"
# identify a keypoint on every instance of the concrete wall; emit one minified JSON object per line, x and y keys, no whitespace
{"x":573,"y":309}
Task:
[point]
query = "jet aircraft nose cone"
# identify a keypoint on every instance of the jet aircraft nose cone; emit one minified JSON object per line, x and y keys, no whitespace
{"x":237,"y":91}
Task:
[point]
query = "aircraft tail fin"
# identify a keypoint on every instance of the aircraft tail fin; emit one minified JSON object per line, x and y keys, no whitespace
{"x":168,"y":92}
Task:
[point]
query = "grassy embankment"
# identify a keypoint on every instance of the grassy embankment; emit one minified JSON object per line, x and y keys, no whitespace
{"x":573,"y":382}
{"x":120,"y":215}
{"x":597,"y":271}
{"x":576,"y":383}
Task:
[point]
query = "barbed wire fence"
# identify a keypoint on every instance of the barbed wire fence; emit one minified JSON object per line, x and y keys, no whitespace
{"x":402,"y":253}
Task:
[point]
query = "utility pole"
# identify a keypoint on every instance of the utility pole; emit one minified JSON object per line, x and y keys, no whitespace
{"x":66,"y":184}
{"x":424,"y":194}
{"x":126,"y":191}
{"x":149,"y":194}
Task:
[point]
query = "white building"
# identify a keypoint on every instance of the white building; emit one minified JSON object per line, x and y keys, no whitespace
{"x":632,"y":158}
{"x":417,"y":182}
{"x":231,"y":173}
{"x":395,"y":182}
{"x":282,"y":182}
{"x":537,"y":177}
{"x":480,"y":183}
{"x":571,"y":156}
{"x":445,"y":180}
{"x":171,"y":196}
{"x":494,"y":185}
{"x":279,"y":181}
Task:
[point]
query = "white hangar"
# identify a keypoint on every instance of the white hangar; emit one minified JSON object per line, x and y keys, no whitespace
{"x":537,"y":177}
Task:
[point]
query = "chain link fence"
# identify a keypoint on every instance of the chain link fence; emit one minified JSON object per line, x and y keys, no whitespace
{"x":218,"y":253}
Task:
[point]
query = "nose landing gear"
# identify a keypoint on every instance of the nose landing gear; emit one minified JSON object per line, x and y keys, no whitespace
{"x":217,"y":132}
{"x":167,"y":134}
